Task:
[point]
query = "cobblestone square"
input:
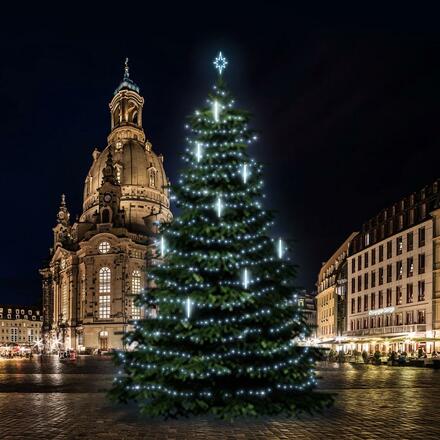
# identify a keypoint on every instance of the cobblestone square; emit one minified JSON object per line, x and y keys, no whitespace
{"x":49,"y":400}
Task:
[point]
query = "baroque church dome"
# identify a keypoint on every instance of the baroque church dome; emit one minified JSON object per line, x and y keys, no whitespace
{"x":139,"y":170}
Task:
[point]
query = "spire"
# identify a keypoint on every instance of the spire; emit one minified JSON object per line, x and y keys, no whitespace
{"x":127,"y":83}
{"x":126,"y":69}
{"x":63,"y":214}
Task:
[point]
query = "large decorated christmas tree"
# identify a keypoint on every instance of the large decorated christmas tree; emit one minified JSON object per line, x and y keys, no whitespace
{"x":228,"y":335}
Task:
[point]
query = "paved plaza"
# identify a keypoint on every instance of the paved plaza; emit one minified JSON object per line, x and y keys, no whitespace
{"x":49,"y":400}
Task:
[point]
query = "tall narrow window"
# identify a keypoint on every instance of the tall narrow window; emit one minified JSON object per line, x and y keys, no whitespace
{"x":104,"y":288}
{"x":409,"y":293}
{"x":421,"y":237}
{"x":409,"y":241}
{"x":399,"y":245}
{"x":399,"y":270}
{"x":373,"y":301}
{"x":136,"y":282}
{"x":380,"y":276}
{"x":104,"y":280}
{"x":104,"y":306}
{"x":389,"y":297}
{"x":152,"y":179}
{"x":389,"y":249}
{"x":65,"y":300}
{"x":421,"y":288}
{"x":422,"y":263}
{"x":135,"y":289}
{"x":380,"y":299}
{"x":389,"y":273}
{"x":398,"y":295}
{"x":410,"y":267}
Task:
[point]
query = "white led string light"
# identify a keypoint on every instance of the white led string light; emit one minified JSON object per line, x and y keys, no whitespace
{"x":221,"y":138}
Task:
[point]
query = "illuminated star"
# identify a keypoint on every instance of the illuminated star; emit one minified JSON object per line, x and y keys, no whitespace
{"x":220,"y":63}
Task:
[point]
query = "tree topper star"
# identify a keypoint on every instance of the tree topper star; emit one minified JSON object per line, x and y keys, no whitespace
{"x":220,"y":63}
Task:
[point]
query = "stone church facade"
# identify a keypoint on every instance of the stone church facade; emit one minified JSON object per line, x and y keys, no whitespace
{"x":98,"y":264}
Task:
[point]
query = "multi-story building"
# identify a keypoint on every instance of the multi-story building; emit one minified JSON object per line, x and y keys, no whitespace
{"x":98,"y":265}
{"x":394,"y":278}
{"x":332,"y":294}
{"x":307,"y":301}
{"x":20,"y":325}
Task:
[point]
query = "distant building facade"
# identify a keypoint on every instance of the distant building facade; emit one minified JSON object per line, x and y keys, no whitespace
{"x":394,"y":277}
{"x":307,"y":301}
{"x":20,"y":325}
{"x":331,"y":300}
{"x":98,"y":264}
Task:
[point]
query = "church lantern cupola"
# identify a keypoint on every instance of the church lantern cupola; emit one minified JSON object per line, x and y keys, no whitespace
{"x":126,"y":110}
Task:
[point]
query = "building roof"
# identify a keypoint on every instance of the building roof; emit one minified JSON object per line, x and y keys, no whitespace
{"x":127,"y":83}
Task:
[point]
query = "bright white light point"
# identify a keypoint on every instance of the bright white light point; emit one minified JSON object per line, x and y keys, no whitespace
{"x":245,"y":279}
{"x":188,"y":308}
{"x":220,"y":63}
{"x":245,"y":173}
{"x":198,"y":151}
{"x":219,"y":207}
{"x":162,"y":246}
{"x":280,"y":248}
{"x":215,"y":111}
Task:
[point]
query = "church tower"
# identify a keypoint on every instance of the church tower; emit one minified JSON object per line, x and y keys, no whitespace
{"x":99,"y":263}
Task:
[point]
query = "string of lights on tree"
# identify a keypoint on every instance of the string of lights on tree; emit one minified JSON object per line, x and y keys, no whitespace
{"x":228,"y":326}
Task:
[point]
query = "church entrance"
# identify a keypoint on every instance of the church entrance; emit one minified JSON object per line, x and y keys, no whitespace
{"x":103,"y":340}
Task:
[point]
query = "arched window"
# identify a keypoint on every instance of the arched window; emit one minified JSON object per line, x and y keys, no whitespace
{"x":136,"y":282}
{"x":104,"y":292}
{"x":104,"y":280}
{"x":116,"y":116}
{"x":132,"y":112}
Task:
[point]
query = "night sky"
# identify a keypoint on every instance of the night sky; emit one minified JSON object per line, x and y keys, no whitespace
{"x":346,"y":103}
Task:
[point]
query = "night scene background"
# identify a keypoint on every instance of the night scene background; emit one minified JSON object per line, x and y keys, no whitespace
{"x":346,"y":103}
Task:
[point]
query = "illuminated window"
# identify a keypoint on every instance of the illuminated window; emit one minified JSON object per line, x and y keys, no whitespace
{"x":104,"y":247}
{"x":104,"y":280}
{"x":64,"y":301}
{"x":136,"y":289}
{"x":104,"y":306}
{"x":14,"y":333}
{"x":136,"y":282}
{"x":153,"y":179}
{"x":135,"y":310}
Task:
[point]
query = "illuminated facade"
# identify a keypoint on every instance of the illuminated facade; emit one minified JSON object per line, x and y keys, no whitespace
{"x":394,"y":278}
{"x":20,"y":325}
{"x":332,"y":295}
{"x":99,"y":263}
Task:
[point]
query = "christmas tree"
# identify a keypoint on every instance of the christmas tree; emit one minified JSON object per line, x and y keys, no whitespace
{"x":228,"y":336}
